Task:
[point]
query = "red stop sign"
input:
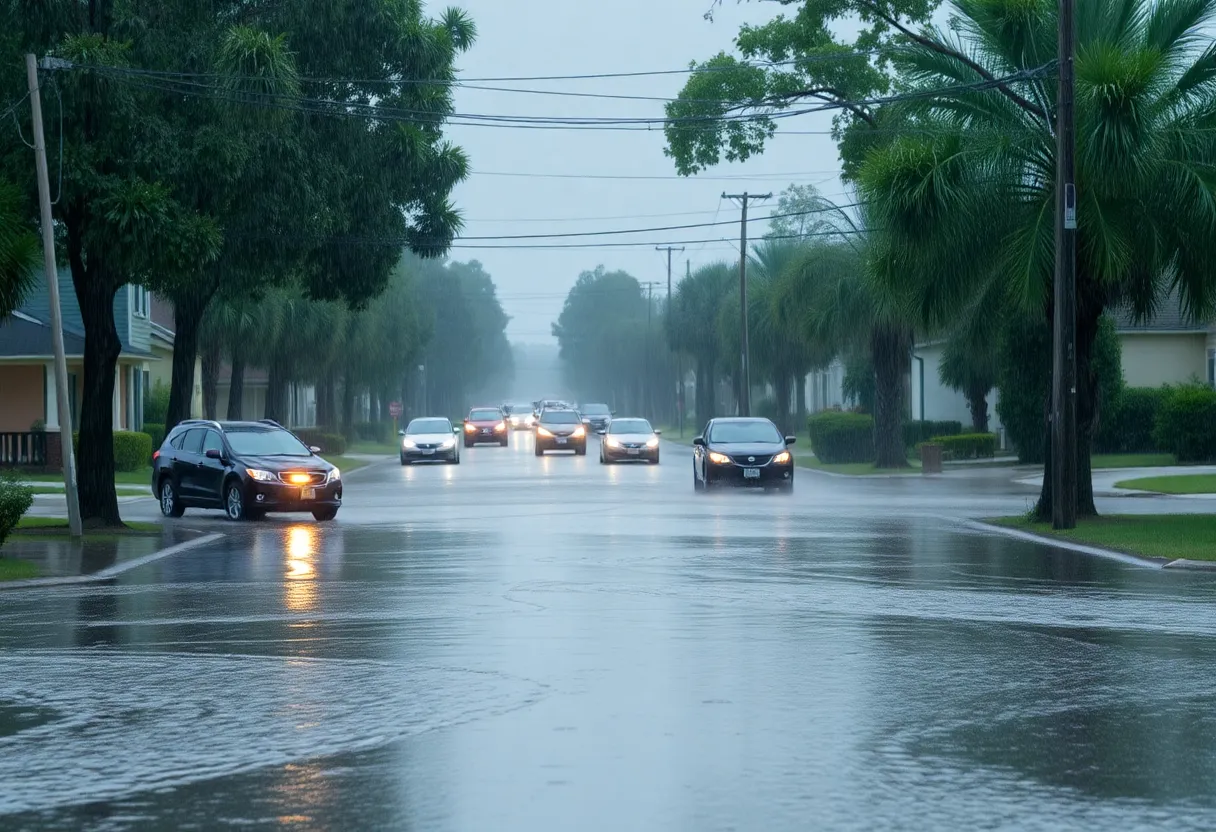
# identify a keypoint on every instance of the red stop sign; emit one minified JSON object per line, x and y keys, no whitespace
{"x":394,"y":409}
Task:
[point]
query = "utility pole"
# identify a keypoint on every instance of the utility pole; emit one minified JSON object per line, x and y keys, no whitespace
{"x":745,"y":380}
{"x":667,"y":321}
{"x":681,"y":404}
{"x":1064,"y":323}
{"x":647,"y":387}
{"x":52,"y":282}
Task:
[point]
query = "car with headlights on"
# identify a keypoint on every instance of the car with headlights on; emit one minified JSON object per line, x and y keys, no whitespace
{"x":244,"y":468}
{"x":560,"y":430}
{"x":629,"y":439}
{"x":430,"y":439}
{"x":742,"y":451}
{"x":485,"y":425}
{"x":519,"y":416}
{"x":596,"y":417}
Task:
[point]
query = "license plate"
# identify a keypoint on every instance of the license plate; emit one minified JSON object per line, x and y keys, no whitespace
{"x":633,"y":451}
{"x":561,"y":440}
{"x":308,"y":493}
{"x":751,"y":473}
{"x":428,"y":451}
{"x":485,"y":431}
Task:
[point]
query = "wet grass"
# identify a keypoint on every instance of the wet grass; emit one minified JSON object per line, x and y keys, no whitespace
{"x":853,"y":469}
{"x":1191,"y":536}
{"x":15,"y":569}
{"x":141,"y":477}
{"x":345,"y":464}
{"x":1102,"y":461}
{"x":57,"y":526}
{"x":1179,"y":484}
{"x":386,"y":448}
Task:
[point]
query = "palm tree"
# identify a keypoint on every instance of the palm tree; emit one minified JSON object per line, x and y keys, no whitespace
{"x":970,"y":197}
{"x":18,"y":250}
{"x":692,"y":328}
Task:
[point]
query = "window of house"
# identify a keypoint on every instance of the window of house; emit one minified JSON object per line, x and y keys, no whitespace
{"x":141,"y":302}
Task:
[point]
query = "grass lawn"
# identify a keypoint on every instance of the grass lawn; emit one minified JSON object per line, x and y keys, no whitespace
{"x":141,"y":477}
{"x":1191,"y":536}
{"x":1180,"y":484}
{"x":854,"y":469}
{"x":57,"y":525}
{"x":1100,"y":461}
{"x":387,"y":448}
{"x":14,"y":569}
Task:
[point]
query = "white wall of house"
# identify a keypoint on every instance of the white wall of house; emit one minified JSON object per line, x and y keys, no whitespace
{"x":1151,"y":359}
{"x":825,"y":388}
{"x":940,"y":402}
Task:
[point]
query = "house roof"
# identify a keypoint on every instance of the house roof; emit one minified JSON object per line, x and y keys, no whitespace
{"x":23,"y":336}
{"x":1170,"y":316}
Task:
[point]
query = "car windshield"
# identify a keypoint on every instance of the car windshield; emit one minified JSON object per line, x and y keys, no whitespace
{"x":429,"y":426}
{"x":760,"y":430}
{"x":561,"y":417}
{"x":266,"y":443}
{"x":596,"y":410}
{"x":630,"y":426}
{"x":485,"y":415}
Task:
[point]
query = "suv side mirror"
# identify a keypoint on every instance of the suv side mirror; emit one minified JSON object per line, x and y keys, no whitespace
{"x":658,"y":433}
{"x":790,"y":440}
{"x":455,"y":429}
{"x":699,"y":441}
{"x":401,"y":433}
{"x":214,"y":453}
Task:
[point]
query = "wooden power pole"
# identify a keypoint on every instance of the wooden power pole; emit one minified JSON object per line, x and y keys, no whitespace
{"x":667,"y":313}
{"x":745,"y":381}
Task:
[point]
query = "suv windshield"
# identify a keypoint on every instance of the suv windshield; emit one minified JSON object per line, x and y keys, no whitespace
{"x":757,"y":431}
{"x":265,"y":443}
{"x":561,"y":417}
{"x":429,"y":426}
{"x":485,"y":415}
{"x":596,"y":410}
{"x":630,"y":426}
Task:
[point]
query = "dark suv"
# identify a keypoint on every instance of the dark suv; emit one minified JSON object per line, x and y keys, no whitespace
{"x":244,"y":468}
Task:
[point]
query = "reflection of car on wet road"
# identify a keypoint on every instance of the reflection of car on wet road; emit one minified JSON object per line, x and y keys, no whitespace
{"x":430,"y":439}
{"x":596,"y":416}
{"x":630,"y":439}
{"x":485,"y":425}
{"x":245,"y":468}
{"x":742,"y":451}
{"x":561,"y":430}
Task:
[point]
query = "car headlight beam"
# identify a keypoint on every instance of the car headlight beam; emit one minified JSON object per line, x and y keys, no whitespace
{"x":334,"y":475}
{"x":579,"y":431}
{"x":612,"y":442}
{"x":261,"y":476}
{"x":652,"y":442}
{"x":448,"y":444}
{"x":718,"y":459}
{"x":542,"y":431}
{"x":782,"y":458}
{"x":408,"y":443}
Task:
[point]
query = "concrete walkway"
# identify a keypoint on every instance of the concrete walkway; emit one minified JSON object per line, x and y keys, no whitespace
{"x":1104,"y":480}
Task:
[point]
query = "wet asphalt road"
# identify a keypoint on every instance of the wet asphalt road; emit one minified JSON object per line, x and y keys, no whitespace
{"x":522,"y":644}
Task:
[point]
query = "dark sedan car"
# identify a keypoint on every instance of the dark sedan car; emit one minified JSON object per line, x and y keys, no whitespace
{"x":561,"y":430}
{"x":245,"y":468}
{"x":596,"y":417}
{"x":742,"y":451}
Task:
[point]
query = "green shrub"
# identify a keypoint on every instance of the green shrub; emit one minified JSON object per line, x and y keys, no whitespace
{"x":132,"y":451}
{"x":156,"y":403}
{"x":329,"y":443}
{"x":373,"y":431}
{"x":842,"y":437}
{"x":1186,"y":423}
{"x":15,"y":501}
{"x":918,"y":431}
{"x":1127,"y":428}
{"x":967,"y":445}
{"x":157,"y":432}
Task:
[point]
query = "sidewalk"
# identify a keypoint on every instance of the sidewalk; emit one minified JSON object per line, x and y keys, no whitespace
{"x":1104,"y":481}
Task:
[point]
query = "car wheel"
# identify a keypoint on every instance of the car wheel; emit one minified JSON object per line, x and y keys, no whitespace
{"x":324,"y":515}
{"x":504,"y":443}
{"x":468,"y":444}
{"x":455,"y":460}
{"x":697,"y":485}
{"x":170,"y":505}
{"x":654,"y":460}
{"x":540,"y":451}
{"x":404,"y":461}
{"x":234,"y":501}
{"x":581,"y":451}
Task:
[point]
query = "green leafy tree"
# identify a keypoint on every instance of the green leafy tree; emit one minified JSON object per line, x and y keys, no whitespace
{"x":970,"y":198}
{"x":692,"y":329}
{"x":19,"y":250}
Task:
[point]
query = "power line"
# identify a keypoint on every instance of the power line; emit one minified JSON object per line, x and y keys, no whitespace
{"x":672,"y":177}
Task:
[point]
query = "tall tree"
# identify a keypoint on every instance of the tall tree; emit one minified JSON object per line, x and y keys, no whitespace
{"x":693,"y":330}
{"x":971,"y":197}
{"x":19,"y":250}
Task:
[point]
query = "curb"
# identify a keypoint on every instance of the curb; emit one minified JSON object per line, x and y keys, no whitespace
{"x":1192,"y":565}
{"x":113,"y":571}
{"x":1082,"y":548}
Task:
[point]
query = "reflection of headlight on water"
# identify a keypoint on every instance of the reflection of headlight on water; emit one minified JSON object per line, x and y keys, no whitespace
{"x":301,"y":542}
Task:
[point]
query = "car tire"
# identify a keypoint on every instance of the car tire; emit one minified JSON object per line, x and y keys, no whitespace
{"x":697,"y":485}
{"x":170,"y":503}
{"x":504,"y":443}
{"x":540,"y":451}
{"x":581,"y":451}
{"x":468,"y":444}
{"x":654,"y":460}
{"x":234,"y":501}
{"x":404,"y":461}
{"x":324,"y":515}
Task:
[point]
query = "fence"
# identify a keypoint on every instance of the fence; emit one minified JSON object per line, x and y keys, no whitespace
{"x":24,"y":449}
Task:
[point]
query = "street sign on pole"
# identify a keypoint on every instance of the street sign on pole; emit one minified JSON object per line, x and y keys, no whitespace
{"x":394,"y":409}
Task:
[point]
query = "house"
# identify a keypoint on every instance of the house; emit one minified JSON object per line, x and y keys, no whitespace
{"x":27,"y":370}
{"x":824,"y":389}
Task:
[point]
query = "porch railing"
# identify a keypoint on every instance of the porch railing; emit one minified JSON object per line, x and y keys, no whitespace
{"x":24,"y":449}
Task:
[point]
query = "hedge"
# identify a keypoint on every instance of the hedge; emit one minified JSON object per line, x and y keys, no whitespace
{"x":842,"y":437}
{"x":1127,"y":428}
{"x":918,"y":431}
{"x":157,"y":432}
{"x":373,"y":431}
{"x":15,"y":501}
{"x":132,"y":451}
{"x":967,"y":445}
{"x":1186,"y":423}
{"x":329,"y":443}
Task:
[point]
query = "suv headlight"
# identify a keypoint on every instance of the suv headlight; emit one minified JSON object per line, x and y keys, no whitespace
{"x":334,"y":475}
{"x":782,"y":458}
{"x":261,"y":476}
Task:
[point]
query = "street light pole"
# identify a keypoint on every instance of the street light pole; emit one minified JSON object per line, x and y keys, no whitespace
{"x":75,"y":529}
{"x":745,"y":381}
{"x":1064,"y":323}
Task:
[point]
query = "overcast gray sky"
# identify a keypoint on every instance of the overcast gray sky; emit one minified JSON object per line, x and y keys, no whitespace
{"x":560,"y":37}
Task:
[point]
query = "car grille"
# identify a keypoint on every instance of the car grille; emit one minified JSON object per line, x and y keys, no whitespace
{"x":426,"y":447}
{"x":314,"y":477}
{"x":631,"y":445}
{"x":752,"y":460}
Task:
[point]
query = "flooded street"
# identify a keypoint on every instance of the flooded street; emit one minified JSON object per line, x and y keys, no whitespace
{"x":524,"y":643}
